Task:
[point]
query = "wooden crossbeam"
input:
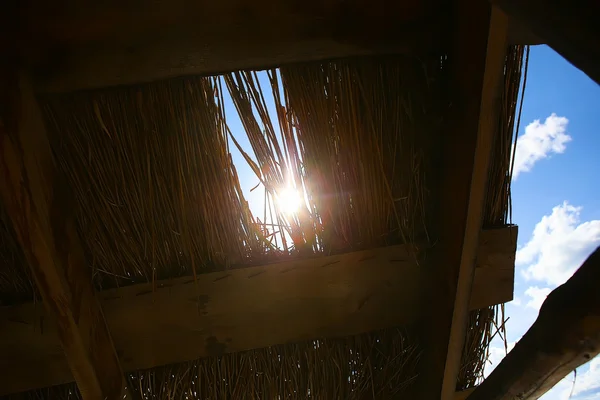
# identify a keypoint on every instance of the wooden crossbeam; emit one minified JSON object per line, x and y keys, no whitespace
{"x":82,"y":44}
{"x":569,"y":27}
{"x":38,"y":206}
{"x":477,"y":62}
{"x":565,"y":335}
{"x":248,"y":308}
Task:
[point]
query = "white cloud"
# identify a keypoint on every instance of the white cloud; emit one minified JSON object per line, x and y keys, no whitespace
{"x":537,"y":296}
{"x":587,"y":384}
{"x":584,"y":386}
{"x":558,"y":246}
{"x":539,"y":141}
{"x":516,"y":301}
{"x":561,"y":391}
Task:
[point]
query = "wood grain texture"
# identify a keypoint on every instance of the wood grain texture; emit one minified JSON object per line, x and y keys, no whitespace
{"x":248,"y":308}
{"x":565,"y":335}
{"x":476,"y":61}
{"x":38,"y":206}
{"x":569,"y":27}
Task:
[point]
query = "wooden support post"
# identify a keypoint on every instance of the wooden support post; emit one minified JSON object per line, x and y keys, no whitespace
{"x":569,"y":27}
{"x":477,"y":62}
{"x":565,"y":335}
{"x":37,"y":203}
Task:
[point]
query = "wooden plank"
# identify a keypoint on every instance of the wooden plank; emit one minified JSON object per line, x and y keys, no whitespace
{"x":249,"y":308}
{"x":37,"y":203}
{"x":565,"y":335}
{"x":83,"y":44}
{"x":569,"y":27}
{"x":487,"y":119}
{"x":477,"y":63}
{"x":75,"y":48}
{"x":179,"y":54}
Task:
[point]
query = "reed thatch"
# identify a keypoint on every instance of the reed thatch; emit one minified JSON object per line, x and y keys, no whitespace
{"x":159,"y":196}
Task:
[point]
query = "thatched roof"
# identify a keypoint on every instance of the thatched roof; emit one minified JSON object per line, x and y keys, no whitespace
{"x":157,"y":196}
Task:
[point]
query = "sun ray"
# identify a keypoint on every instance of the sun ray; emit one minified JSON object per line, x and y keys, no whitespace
{"x":289,"y":200}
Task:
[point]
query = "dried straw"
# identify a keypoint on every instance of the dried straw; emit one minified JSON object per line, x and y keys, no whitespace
{"x":157,"y":191}
{"x":158,"y":196}
{"x":379,"y":365}
{"x":349,"y":135}
{"x":360,"y":124}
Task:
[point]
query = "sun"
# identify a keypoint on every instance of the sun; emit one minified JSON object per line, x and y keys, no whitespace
{"x":289,"y":200}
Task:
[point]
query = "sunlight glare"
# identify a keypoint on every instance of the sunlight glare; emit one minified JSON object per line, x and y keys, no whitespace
{"x":289,"y":200}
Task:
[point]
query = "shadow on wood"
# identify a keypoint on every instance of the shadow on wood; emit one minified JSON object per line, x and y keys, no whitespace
{"x":569,"y":27}
{"x":477,"y":64}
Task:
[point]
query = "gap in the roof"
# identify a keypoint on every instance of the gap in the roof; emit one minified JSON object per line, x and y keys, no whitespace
{"x":272,"y":207}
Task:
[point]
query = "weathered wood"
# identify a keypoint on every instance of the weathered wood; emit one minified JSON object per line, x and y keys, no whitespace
{"x":178,"y":55}
{"x":569,"y":27}
{"x":477,"y":62}
{"x":565,"y":335}
{"x":249,"y":308}
{"x":38,"y":206}
{"x":83,"y":44}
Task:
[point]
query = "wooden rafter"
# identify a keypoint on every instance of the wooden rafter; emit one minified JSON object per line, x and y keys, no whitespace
{"x":569,"y":27}
{"x":248,"y":308}
{"x":477,"y":63}
{"x":565,"y":335}
{"x":37,"y":203}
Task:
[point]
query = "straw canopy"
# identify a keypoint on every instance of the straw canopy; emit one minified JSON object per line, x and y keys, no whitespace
{"x":155,"y":171}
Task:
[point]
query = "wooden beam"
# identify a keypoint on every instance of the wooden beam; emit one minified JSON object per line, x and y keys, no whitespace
{"x":569,"y":27}
{"x":477,"y":62}
{"x":37,"y":203}
{"x":82,"y":44}
{"x":180,"y":54}
{"x":250,"y":308}
{"x":79,"y":45}
{"x":565,"y":335}
{"x":521,"y":34}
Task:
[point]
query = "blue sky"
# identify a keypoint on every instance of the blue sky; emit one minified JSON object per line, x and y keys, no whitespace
{"x":555,"y":198}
